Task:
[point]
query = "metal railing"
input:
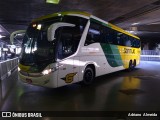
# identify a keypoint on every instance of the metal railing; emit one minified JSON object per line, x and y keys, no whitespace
{"x":8,"y":78}
{"x":7,"y":66}
{"x":150,"y":55}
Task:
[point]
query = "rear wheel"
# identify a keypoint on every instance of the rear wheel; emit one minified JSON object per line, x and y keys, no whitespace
{"x":88,"y":76}
{"x":130,"y":67}
{"x":134,"y":64}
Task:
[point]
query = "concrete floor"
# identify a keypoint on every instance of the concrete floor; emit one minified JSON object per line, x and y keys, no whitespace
{"x":137,"y":90}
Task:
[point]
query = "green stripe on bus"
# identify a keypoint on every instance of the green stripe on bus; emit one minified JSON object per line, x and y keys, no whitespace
{"x":112,"y":54}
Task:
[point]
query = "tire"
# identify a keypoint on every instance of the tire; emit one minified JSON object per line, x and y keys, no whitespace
{"x":130,"y":68}
{"x":88,"y":76}
{"x":134,"y":64}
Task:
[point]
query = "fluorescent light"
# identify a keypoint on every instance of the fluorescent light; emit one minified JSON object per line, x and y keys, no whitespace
{"x":132,"y":32}
{"x":52,"y":1}
{"x":136,"y":23}
{"x":133,"y":29}
{"x":1,"y":36}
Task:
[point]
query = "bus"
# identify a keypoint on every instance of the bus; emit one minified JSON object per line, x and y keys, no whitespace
{"x":69,"y":47}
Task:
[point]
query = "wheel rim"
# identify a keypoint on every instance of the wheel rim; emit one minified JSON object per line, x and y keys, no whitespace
{"x":88,"y":76}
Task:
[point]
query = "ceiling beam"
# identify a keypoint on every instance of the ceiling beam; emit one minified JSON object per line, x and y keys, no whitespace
{"x":138,"y":12}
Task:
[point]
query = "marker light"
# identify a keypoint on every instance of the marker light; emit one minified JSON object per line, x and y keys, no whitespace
{"x":39,"y":26}
{"x":52,"y":1}
{"x":34,"y":25}
{"x":46,"y":72}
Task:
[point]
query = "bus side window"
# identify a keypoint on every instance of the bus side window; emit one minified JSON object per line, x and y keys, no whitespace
{"x":120,"y":38}
{"x":94,"y":34}
{"x":102,"y":37}
{"x":134,"y":42}
{"x":127,"y":42}
{"x":138,"y":44}
{"x":111,"y":36}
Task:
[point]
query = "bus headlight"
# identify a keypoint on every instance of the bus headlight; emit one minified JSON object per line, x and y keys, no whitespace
{"x":46,"y":72}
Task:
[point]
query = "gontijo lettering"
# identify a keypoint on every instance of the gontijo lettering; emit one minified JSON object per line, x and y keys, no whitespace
{"x":128,"y":50}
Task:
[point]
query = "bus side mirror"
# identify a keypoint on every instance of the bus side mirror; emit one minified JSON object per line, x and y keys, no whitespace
{"x":52,"y":29}
{"x":12,"y":36}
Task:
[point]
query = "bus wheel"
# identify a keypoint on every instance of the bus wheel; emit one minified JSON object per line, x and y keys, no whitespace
{"x":88,"y":76}
{"x":130,"y":66}
{"x":134,"y":64}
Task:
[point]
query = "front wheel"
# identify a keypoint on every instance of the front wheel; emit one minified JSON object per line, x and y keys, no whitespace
{"x":88,"y":76}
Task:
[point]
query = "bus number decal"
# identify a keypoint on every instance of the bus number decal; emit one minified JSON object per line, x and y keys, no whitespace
{"x":69,"y":77}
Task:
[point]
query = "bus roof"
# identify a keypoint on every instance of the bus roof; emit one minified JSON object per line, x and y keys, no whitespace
{"x":86,"y":15}
{"x":78,"y":13}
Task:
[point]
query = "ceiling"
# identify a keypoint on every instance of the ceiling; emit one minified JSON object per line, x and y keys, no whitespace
{"x":140,"y":16}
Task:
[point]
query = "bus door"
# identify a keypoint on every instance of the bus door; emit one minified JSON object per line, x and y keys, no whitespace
{"x":68,"y":69}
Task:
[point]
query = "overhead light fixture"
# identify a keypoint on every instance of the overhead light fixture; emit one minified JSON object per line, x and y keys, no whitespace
{"x":136,"y":23}
{"x":132,"y":32}
{"x":1,"y":36}
{"x":133,"y":29}
{"x":53,"y":1}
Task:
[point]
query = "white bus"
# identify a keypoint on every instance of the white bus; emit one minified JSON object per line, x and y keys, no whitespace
{"x":69,"y":47}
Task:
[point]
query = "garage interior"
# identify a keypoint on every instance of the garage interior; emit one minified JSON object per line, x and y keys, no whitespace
{"x":137,"y":90}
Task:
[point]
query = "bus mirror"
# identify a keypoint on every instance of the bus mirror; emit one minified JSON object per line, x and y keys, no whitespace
{"x":52,"y":28}
{"x":12,"y":36}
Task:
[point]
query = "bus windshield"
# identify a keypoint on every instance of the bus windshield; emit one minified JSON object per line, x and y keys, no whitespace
{"x":38,"y":51}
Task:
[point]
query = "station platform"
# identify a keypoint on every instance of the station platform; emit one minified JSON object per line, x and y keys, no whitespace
{"x":137,"y":90}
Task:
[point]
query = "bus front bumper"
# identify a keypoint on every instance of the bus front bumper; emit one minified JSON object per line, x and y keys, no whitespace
{"x":43,"y":80}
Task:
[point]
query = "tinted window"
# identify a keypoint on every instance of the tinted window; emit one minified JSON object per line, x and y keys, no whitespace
{"x":110,"y":35}
{"x":94,"y":33}
{"x":137,"y":43}
{"x":65,"y":43}
{"x":103,"y":34}
{"x":120,"y":38}
{"x":35,"y":47}
{"x":79,"y":22}
{"x":69,"y":37}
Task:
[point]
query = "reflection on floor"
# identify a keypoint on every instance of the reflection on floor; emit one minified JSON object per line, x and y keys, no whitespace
{"x":120,"y":91}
